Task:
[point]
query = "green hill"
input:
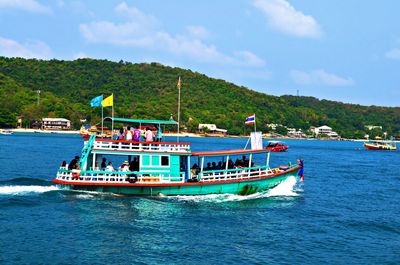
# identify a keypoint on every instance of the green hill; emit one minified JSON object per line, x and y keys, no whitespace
{"x":149,"y":91}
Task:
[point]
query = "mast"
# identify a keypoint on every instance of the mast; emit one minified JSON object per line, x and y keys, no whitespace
{"x":179,"y":104}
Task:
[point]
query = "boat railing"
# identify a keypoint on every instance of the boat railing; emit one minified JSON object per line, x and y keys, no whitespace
{"x":119,"y":176}
{"x":236,"y":173}
{"x":126,"y":145}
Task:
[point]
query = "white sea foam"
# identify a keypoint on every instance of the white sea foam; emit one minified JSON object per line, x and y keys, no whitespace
{"x":85,"y":196}
{"x":20,"y":189}
{"x":284,"y":189}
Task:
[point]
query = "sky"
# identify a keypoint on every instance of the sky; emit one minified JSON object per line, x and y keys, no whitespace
{"x":346,"y":51}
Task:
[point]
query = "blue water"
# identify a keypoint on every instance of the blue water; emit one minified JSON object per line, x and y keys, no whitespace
{"x":346,"y":212}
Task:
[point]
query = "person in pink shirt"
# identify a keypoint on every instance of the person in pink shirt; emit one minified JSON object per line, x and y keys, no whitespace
{"x":149,"y":135}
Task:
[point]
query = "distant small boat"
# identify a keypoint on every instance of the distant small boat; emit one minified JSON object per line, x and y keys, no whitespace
{"x":380,"y":145}
{"x":277,"y":146}
{"x":6,"y":132}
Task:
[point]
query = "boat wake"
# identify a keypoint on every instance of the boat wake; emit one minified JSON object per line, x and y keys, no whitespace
{"x":285,"y":189}
{"x":23,"y":190}
{"x":24,"y":186}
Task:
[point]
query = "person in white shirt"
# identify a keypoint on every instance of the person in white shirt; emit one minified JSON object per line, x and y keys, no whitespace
{"x":109,"y":167}
{"x":124,"y":167}
{"x":128,"y":134}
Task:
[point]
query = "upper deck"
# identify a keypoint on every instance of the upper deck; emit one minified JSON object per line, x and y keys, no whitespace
{"x":101,"y":144}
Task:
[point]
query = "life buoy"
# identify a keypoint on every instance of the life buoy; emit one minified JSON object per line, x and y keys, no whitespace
{"x":132,"y":178}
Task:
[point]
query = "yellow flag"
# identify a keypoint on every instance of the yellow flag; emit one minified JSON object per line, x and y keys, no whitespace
{"x":108,"y":101}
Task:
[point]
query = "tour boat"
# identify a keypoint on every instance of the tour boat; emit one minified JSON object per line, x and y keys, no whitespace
{"x":380,"y":145}
{"x":276,"y":146}
{"x":172,"y":168}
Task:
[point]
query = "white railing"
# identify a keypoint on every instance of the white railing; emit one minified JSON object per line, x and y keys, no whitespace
{"x":118,"y":177}
{"x":238,"y":174}
{"x":122,"y":145}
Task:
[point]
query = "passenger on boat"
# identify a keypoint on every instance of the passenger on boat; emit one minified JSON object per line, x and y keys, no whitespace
{"x":63,"y":164}
{"x":136,"y":134}
{"x":74,"y":164}
{"x":231,"y":165}
{"x":134,"y":165}
{"x":219,"y":166}
{"x":109,"y":167}
{"x":124,"y":167}
{"x":213,"y":166}
{"x":103,"y":163}
{"x":159,"y":134}
{"x":245,"y":161}
{"x":149,"y":135}
{"x":208,"y":167}
{"x":128,"y":134}
{"x":120,"y":135}
{"x":195,"y":170}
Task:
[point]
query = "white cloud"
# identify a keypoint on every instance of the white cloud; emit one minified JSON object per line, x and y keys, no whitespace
{"x":31,"y":49}
{"x":198,"y":32}
{"x":283,"y":17}
{"x":144,"y":31}
{"x":26,"y":5}
{"x":319,"y":77}
{"x":393,"y":54}
{"x":250,"y":58}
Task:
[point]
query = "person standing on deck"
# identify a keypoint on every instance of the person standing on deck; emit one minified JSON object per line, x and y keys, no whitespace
{"x":128,"y":134}
{"x":74,"y":164}
{"x":120,"y":135}
{"x":103,"y":164}
{"x":136,"y":134}
{"x":159,"y":134}
{"x":149,"y":135}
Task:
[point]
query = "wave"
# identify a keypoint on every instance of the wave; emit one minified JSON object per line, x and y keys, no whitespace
{"x":25,"y":181}
{"x":25,"y":189}
{"x":285,"y":189}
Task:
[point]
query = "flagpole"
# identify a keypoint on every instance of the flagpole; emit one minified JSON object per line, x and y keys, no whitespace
{"x":102,"y":117}
{"x":255,"y":128}
{"x":179,"y":105}
{"x":112,"y":121}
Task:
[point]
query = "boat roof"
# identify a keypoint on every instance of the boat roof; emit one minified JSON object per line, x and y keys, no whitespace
{"x":140,"y":121}
{"x":229,"y":152}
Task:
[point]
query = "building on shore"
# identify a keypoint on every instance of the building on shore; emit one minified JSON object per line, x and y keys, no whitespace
{"x":292,"y":132}
{"x":212,"y":128}
{"x":324,"y":130}
{"x":373,"y":127}
{"x":56,"y":124}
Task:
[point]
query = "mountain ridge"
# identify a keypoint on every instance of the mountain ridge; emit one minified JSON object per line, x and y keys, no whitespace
{"x":144,"y":90}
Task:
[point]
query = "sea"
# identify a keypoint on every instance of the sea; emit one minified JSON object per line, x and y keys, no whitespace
{"x":347,"y":211}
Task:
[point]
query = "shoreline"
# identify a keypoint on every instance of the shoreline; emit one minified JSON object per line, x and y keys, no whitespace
{"x":21,"y":130}
{"x":192,"y":135}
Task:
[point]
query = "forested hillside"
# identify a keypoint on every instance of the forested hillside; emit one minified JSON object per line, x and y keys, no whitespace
{"x":150,"y":91}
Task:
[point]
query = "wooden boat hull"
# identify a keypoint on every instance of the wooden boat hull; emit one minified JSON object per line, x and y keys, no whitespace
{"x":240,"y":187}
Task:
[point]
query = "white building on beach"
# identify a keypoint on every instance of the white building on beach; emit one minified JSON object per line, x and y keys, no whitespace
{"x":56,"y":124}
{"x":212,"y":128}
{"x":324,"y":130}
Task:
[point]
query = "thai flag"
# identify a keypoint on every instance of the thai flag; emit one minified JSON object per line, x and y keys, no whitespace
{"x":251,"y":119}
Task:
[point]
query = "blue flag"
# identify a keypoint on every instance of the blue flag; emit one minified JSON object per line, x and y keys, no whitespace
{"x":96,"y":102}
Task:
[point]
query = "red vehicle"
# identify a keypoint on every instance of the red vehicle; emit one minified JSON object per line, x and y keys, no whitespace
{"x":276,"y":146}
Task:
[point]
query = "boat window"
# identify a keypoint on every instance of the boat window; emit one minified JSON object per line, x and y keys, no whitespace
{"x":165,"y":160}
